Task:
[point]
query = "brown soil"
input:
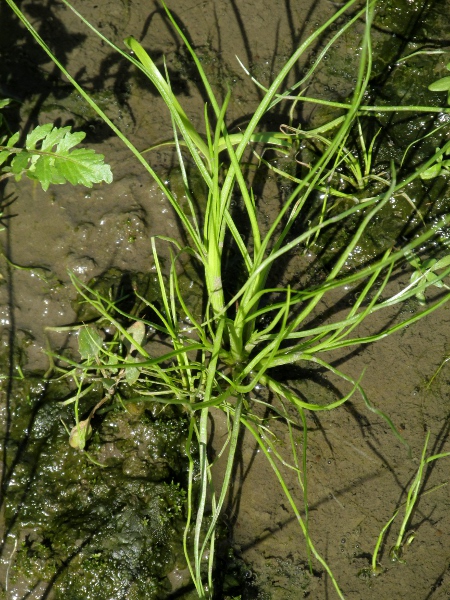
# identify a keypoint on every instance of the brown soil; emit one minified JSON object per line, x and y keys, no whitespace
{"x":358,"y":472}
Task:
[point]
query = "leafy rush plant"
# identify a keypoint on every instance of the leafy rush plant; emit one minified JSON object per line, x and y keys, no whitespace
{"x":244,"y":334}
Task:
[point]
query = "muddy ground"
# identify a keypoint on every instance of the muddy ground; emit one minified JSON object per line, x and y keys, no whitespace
{"x":358,"y":471}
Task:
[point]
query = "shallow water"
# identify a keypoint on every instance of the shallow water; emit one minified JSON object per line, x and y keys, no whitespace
{"x":358,"y":471}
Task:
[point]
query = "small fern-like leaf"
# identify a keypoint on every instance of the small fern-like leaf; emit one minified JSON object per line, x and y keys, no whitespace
{"x":50,"y":158}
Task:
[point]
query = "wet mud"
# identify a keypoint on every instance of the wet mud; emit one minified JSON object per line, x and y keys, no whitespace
{"x":117,"y":533}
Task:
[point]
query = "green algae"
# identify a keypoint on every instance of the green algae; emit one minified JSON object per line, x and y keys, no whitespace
{"x":87,"y":531}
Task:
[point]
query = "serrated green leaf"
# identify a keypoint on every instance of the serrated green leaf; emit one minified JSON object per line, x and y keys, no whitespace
{"x":4,"y":102}
{"x":83,"y":166}
{"x":45,"y":172}
{"x":4,"y":155}
{"x":441,"y":85}
{"x":69,"y":140}
{"x":38,"y":134}
{"x":53,"y":138}
{"x":20,"y":162}
{"x":63,"y":139}
{"x":12,"y":140}
{"x":89,"y":342}
{"x":55,"y":162}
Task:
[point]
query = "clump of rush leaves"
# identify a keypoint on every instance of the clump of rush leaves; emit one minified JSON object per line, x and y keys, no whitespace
{"x":244,"y":334}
